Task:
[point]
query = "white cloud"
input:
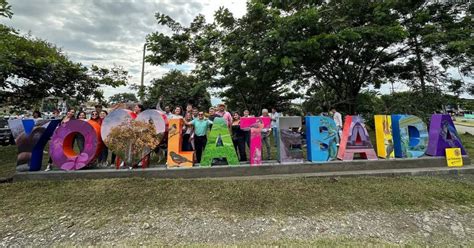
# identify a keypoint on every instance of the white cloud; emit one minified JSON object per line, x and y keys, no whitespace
{"x":108,"y":32}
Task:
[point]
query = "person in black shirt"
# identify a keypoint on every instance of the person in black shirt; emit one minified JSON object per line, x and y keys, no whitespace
{"x":212,"y":115}
{"x":238,"y":137}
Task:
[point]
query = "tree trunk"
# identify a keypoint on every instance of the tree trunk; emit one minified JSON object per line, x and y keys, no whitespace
{"x":419,"y":64}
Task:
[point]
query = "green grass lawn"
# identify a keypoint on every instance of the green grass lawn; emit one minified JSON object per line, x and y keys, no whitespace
{"x":246,"y":198}
{"x":276,"y":196}
{"x":467,"y":124}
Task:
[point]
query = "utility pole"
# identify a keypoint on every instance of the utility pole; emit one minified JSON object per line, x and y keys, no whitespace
{"x":142,"y":86}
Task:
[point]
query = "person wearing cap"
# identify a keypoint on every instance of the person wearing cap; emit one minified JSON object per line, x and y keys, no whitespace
{"x":221,"y":112}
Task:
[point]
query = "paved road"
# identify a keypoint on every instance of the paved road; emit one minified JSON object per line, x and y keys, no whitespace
{"x":465,"y":129}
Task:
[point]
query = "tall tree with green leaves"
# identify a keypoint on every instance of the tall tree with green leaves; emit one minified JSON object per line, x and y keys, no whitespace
{"x":178,"y":89}
{"x":230,"y":54}
{"x":122,"y":98}
{"x":439,"y":44}
{"x":331,"y":49}
{"x":340,"y":46}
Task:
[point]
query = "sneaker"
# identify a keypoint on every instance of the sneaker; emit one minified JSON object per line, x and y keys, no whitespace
{"x":48,"y":168}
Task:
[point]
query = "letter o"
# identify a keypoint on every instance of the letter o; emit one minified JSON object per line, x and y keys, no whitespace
{"x":61,"y":150}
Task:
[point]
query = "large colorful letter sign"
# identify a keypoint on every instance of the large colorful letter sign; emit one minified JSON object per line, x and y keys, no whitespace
{"x":289,"y":142}
{"x":30,"y":137}
{"x":443,"y":134}
{"x":61,"y":149}
{"x":410,"y":136}
{"x":321,"y":138}
{"x":219,"y":144}
{"x":255,"y":124}
{"x":383,"y":136}
{"x":176,"y":157}
{"x":355,"y":139}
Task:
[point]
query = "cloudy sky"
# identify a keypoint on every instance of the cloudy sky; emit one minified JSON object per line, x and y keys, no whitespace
{"x":109,"y":32}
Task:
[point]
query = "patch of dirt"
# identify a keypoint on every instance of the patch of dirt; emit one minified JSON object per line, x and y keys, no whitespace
{"x":186,"y":226}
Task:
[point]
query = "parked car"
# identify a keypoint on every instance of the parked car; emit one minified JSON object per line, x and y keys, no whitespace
{"x":6,"y":137}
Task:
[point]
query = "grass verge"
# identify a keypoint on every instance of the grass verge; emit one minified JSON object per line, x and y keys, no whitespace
{"x":288,"y":197}
{"x":466,"y":123}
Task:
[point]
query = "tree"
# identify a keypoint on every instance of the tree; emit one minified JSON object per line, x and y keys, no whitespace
{"x":123,"y":97}
{"x":324,"y":47}
{"x":178,"y":89}
{"x":409,"y":102}
{"x":230,"y":54}
{"x":340,"y":46}
{"x":5,"y":9}
{"x":439,"y":38}
{"x":32,"y":69}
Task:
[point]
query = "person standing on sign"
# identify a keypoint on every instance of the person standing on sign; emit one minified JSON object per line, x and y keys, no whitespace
{"x":337,"y":117}
{"x":201,"y":125}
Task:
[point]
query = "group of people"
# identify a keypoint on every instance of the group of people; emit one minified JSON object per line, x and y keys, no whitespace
{"x":197,"y":124}
{"x":194,"y":133}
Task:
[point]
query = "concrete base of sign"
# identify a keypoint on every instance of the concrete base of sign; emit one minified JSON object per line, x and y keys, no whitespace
{"x":390,"y":167}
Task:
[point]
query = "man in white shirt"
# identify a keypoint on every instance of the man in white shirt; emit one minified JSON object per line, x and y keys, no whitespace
{"x":275,"y":115}
{"x":337,"y":117}
{"x":265,"y":134}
